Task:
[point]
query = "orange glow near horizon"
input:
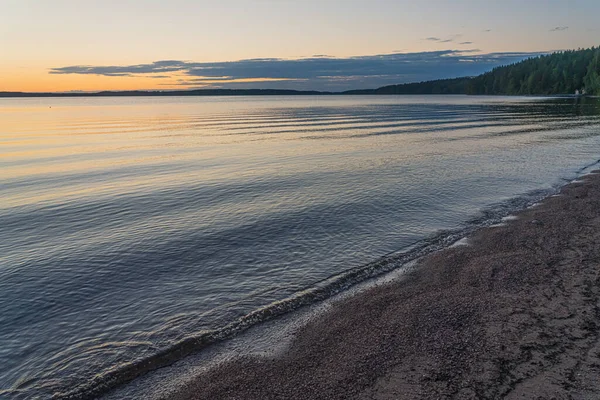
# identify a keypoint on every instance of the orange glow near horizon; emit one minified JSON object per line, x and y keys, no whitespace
{"x":40,"y":80}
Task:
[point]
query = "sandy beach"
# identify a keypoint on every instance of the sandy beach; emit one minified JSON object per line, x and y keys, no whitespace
{"x":513,"y":314}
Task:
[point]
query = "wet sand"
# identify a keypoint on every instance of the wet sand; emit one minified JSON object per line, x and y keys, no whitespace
{"x":515,"y":314}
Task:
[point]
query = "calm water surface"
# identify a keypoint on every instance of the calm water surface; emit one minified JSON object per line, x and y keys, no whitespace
{"x":128,"y":224}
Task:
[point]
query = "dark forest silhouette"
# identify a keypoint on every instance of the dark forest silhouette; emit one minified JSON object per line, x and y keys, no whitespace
{"x":558,"y":73}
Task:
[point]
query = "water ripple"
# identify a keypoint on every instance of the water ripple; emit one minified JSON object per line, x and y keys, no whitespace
{"x":136,"y":231}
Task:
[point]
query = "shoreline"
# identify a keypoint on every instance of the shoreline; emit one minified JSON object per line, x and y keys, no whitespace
{"x":514,"y":313}
{"x":323,"y":293}
{"x":297,"y":309}
{"x":399,"y":198}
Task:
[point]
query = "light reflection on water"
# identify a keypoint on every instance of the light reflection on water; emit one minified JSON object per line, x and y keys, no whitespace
{"x":129,"y":223}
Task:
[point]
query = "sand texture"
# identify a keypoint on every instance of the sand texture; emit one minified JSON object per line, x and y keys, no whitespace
{"x":515,"y":315}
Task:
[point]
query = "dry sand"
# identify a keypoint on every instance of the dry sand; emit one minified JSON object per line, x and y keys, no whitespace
{"x":516,"y":314}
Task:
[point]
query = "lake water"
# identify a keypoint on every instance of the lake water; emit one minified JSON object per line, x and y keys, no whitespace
{"x":128,"y":225}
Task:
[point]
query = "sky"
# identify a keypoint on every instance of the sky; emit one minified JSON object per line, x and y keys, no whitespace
{"x":91,"y":45}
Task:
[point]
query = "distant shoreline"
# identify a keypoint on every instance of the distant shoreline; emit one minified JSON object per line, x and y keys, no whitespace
{"x":251,"y":92}
{"x":150,"y":93}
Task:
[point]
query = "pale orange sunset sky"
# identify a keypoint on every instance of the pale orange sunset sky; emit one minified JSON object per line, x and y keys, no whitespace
{"x":65,"y":45}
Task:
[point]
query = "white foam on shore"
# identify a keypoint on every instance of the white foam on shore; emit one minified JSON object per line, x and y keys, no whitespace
{"x":504,"y":220}
{"x":462,"y":242}
{"x":269,"y":339}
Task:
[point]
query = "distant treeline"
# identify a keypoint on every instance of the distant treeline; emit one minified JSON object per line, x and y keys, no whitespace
{"x":558,"y":73}
{"x":440,"y":86}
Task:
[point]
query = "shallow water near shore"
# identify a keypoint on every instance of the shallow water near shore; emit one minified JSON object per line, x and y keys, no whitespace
{"x":131,"y":224}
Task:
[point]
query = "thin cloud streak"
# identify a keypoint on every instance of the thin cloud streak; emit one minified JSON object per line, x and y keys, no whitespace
{"x":313,"y":73}
{"x":440,"y":40}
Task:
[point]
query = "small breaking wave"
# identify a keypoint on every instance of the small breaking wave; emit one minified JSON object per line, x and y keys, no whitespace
{"x":320,"y":291}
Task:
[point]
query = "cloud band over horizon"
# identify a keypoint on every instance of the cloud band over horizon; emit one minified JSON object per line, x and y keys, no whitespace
{"x":312,"y":73}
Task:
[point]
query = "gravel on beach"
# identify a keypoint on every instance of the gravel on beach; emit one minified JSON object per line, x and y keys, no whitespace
{"x":514,"y":314}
